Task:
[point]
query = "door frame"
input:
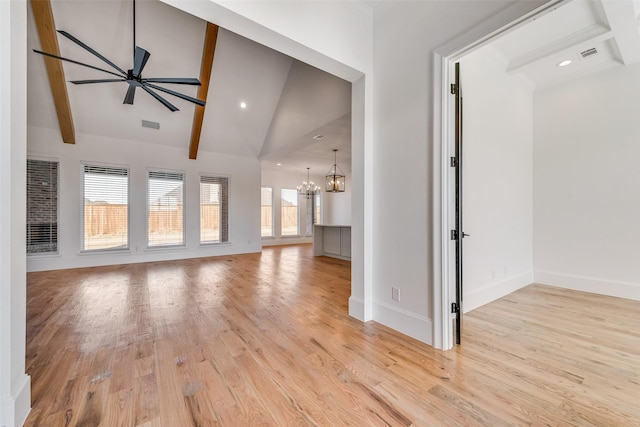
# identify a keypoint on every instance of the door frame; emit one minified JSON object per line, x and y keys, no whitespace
{"x":444,"y":265}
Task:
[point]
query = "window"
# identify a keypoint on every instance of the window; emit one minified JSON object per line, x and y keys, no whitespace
{"x":289,"y":212}
{"x":165,"y":209}
{"x":310,"y":214}
{"x":266,"y":212}
{"x":313,"y":213}
{"x":317,"y":219}
{"x":42,"y":206}
{"x":105,"y":208}
{"x":214,"y":209}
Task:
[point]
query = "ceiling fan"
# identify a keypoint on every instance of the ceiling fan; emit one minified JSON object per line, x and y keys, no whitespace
{"x":132,"y":77}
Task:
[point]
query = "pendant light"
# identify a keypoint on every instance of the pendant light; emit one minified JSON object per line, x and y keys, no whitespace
{"x":308,"y":188}
{"x":335,"y":179}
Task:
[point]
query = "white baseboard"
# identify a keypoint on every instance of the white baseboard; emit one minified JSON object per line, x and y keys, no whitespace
{"x":493,"y":291}
{"x":356,"y":309}
{"x":14,"y":409}
{"x":403,"y":321}
{"x":589,"y":284}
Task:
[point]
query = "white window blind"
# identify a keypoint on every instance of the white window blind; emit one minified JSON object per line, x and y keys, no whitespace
{"x":266,"y":212}
{"x":165,"y":208}
{"x":105,"y":208}
{"x":42,"y":206}
{"x":289,"y":212}
{"x":214,"y":209}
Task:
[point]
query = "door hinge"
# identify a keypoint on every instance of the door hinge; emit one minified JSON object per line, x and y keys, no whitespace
{"x":454,"y":88}
{"x":454,"y":162}
{"x":455,"y":308}
{"x":454,"y":234}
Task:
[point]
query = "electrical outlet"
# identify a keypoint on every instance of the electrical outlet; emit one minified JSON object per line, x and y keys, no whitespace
{"x":395,"y":294}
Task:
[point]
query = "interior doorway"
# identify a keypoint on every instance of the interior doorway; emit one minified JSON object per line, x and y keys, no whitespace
{"x":497,"y":147}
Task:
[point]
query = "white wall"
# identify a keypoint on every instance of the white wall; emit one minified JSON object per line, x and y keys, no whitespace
{"x":337,"y":206}
{"x":497,"y":179}
{"x":244,"y":198}
{"x":15,"y":397}
{"x":586,"y":192}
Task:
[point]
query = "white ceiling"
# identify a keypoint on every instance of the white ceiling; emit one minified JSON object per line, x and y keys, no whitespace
{"x":289,"y":102}
{"x":610,"y":26}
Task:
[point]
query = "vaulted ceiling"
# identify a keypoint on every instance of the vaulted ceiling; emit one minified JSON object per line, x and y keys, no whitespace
{"x":287,"y":102}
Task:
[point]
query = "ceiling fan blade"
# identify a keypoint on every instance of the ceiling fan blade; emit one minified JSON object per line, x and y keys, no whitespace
{"x":75,"y":62}
{"x":84,"y":82}
{"x":166,"y":103}
{"x":178,"y":94}
{"x":131,"y":92}
{"x":177,"y":80}
{"x":84,"y":46}
{"x":140,"y":60}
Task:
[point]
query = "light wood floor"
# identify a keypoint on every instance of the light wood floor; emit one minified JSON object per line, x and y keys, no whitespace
{"x":265,"y":339}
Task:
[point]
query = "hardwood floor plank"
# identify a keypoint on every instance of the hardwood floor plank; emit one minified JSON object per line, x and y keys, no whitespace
{"x":265,"y":339}
{"x":146,"y":403}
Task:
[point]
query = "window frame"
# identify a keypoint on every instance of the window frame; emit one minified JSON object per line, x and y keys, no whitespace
{"x":182,"y":245}
{"x":318,"y":207}
{"x":57,"y":210}
{"x":273,"y":224}
{"x":223,"y":221}
{"x":287,"y":236}
{"x":83,"y":165}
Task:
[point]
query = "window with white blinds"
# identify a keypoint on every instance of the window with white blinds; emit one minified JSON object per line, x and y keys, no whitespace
{"x":317,"y":218}
{"x":105,"y":208}
{"x":165,"y":209}
{"x":289,"y":212}
{"x":42,"y":206}
{"x":266,"y":212}
{"x":214,"y":209}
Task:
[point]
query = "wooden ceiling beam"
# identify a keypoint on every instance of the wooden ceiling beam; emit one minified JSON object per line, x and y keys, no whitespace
{"x":49,"y":42}
{"x":208,"y":53}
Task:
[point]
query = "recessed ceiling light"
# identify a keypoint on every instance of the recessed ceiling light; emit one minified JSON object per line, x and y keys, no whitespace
{"x":278,"y":164}
{"x":564,"y":63}
{"x":243,"y":105}
{"x":318,"y":137}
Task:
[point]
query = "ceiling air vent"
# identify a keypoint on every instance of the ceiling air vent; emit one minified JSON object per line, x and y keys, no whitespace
{"x":150,"y":124}
{"x":589,"y":52}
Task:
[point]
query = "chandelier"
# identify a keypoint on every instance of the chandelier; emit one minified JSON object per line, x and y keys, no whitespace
{"x":335,"y":179}
{"x":308,"y":188}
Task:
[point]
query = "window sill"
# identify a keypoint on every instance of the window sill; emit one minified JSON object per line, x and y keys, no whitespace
{"x":105,"y":251}
{"x":43,"y":255}
{"x":209,"y":244}
{"x":165,"y":248}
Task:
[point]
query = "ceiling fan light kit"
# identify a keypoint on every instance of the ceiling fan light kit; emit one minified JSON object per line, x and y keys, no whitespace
{"x":132,"y":77}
